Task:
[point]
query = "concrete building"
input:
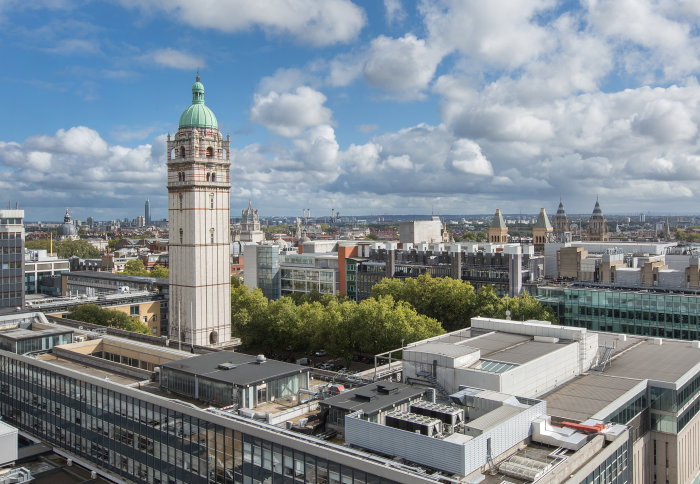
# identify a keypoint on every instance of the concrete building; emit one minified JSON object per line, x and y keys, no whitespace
{"x":198,"y":208}
{"x":250,"y":226}
{"x":103,"y":402}
{"x":498,"y":231}
{"x":11,"y":258}
{"x":417,"y":231}
{"x":262,"y":269}
{"x":39,"y":267}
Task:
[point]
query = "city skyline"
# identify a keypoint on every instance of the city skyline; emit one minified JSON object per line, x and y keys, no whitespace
{"x":365,"y":107}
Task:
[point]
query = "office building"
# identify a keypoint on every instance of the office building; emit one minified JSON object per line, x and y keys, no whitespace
{"x":39,"y":269}
{"x":198,"y":212}
{"x":100,"y":401}
{"x":11,"y":258}
{"x":147,"y":211}
{"x":262,"y":269}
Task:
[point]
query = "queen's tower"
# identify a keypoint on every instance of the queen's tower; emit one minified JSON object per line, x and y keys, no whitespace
{"x":198,"y":212}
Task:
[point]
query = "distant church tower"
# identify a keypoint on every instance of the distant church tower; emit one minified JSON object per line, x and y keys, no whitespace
{"x":198,"y":212}
{"x":597,"y":229}
{"x":250,"y":225}
{"x":560,"y":223}
{"x":498,"y":230}
{"x":541,"y":231}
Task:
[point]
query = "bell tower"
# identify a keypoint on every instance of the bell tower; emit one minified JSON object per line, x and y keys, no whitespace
{"x":198,"y":214}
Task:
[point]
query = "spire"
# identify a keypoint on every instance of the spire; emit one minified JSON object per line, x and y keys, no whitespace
{"x":66,"y":217}
{"x":498,"y":222}
{"x":197,"y":91}
{"x":543,"y":221}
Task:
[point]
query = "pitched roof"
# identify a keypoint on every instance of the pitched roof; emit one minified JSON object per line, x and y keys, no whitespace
{"x":497,"y":222}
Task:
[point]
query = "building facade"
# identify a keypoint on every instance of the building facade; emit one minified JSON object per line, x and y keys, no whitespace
{"x":498,"y":230}
{"x":39,"y":267}
{"x":250,"y":225}
{"x":147,"y":211}
{"x":11,"y":258}
{"x":198,"y":211}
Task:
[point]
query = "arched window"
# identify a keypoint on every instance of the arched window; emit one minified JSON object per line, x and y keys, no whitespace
{"x":208,"y":177}
{"x":180,"y":197}
{"x":182,"y":152}
{"x":210,"y":152}
{"x":213,"y":338}
{"x":213,"y":177}
{"x":211,"y":201}
{"x":211,"y":235}
{"x":181,"y":236}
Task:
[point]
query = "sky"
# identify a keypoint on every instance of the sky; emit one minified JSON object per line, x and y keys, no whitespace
{"x":365,"y":107}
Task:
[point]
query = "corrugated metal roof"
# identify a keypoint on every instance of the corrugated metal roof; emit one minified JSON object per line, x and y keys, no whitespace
{"x":494,"y":417}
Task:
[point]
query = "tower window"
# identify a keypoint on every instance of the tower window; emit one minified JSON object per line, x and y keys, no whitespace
{"x":180,"y":197}
{"x":182,"y":152}
{"x":211,"y":235}
{"x":181,"y":236}
{"x":208,"y":177}
{"x":211,"y":201}
{"x":213,"y":177}
{"x":210,"y":152}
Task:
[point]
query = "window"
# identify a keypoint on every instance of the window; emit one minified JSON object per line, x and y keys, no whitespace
{"x":134,"y":310}
{"x":182,"y":152}
{"x":181,"y":236}
{"x":210,"y":152}
{"x":211,"y":235}
{"x":180,"y":197}
{"x":211,"y":201}
{"x":213,"y":177}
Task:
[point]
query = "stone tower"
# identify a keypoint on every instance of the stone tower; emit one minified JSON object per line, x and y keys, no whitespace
{"x":498,"y":231}
{"x":541,"y":231}
{"x":560,"y":222}
{"x":250,"y":225}
{"x":597,"y":229}
{"x":198,"y":212}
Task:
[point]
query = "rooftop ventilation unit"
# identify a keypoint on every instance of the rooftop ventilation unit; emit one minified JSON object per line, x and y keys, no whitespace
{"x":260,"y":359}
{"x":226,"y":366}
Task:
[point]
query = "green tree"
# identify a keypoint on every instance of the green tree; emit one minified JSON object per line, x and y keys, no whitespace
{"x":39,"y":244}
{"x":159,"y":271}
{"x":78,"y":248}
{"x":92,"y":313}
{"x":135,"y":267}
{"x":372,"y":236}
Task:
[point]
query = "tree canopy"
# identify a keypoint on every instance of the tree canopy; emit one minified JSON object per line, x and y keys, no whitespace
{"x":92,"y":313}
{"x":454,"y":302}
{"x":65,"y":249}
{"x":135,"y":267}
{"x":342,"y":328}
{"x":160,"y":271}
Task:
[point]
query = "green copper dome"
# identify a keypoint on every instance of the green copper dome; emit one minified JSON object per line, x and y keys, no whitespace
{"x":198,"y":115}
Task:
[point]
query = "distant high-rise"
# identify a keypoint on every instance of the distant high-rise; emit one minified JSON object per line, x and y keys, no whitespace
{"x":198,"y":211}
{"x":147,"y":212}
{"x":11,"y":258}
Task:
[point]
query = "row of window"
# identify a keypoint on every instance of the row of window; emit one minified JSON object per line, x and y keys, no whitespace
{"x":10,"y":235}
{"x":10,"y":221}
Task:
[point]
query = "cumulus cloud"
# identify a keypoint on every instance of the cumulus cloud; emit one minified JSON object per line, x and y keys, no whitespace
{"x":395,"y":12}
{"x":289,"y":114}
{"x":76,"y":167}
{"x":403,"y":66}
{"x":315,"y":22}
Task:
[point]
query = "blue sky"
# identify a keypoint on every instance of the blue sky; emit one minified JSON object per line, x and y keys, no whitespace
{"x":368,"y":107}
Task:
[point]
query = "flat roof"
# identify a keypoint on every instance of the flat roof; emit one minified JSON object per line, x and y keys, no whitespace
{"x":494,"y":417}
{"x":587,"y":395}
{"x":118,"y":277}
{"x":20,"y":334}
{"x":88,"y":370}
{"x":444,"y":349}
{"x":524,"y":352}
{"x":245,"y":371}
{"x":666,"y":362}
{"x":373,"y":397}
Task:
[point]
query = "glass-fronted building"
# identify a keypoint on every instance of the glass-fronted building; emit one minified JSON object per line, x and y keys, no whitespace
{"x":646,"y":313}
{"x":11,"y":258}
{"x":306,"y":273}
{"x":145,"y":438}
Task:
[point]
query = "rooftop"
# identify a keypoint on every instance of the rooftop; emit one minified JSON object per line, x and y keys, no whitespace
{"x":374,"y":397}
{"x":244,"y":369}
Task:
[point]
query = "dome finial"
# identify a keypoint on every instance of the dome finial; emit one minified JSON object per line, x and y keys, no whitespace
{"x":197,"y":78}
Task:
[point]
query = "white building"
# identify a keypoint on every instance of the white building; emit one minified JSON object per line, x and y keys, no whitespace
{"x":417,"y":231}
{"x":198,"y":209}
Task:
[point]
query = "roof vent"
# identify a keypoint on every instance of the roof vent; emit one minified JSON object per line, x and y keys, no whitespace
{"x":260,"y":359}
{"x":695,"y":344}
{"x":226,"y":366}
{"x":657,"y":341}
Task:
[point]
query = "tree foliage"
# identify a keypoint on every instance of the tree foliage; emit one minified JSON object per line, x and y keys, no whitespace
{"x":92,"y":313}
{"x":65,"y":249}
{"x":135,"y":267}
{"x":160,"y":271}
{"x":454,"y":302}
{"x":342,"y":328}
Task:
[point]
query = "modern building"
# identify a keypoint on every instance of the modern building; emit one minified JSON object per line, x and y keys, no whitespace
{"x":250,"y":225}
{"x":198,"y":208}
{"x":309,"y":272}
{"x":100,"y":402}
{"x":262,"y":269}
{"x":498,"y":230}
{"x":11,"y":258}
{"x":39,"y":269}
{"x":417,"y":231}
{"x":147,"y":212}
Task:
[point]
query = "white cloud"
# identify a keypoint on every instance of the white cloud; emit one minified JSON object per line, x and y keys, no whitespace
{"x":78,"y":140}
{"x":176,"y":59}
{"x":403,"y":67}
{"x":315,"y":22}
{"x":466,"y":156}
{"x":395,"y":12}
{"x":289,"y":114}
